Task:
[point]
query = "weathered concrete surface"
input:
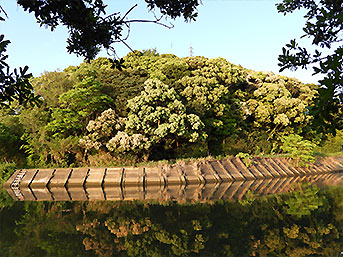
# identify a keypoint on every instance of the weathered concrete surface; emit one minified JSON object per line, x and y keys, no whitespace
{"x":191,"y":173}
{"x":265,"y":164}
{"x":255,"y":171}
{"x":287,"y":170}
{"x":207,"y":172}
{"x":95,"y":193}
{"x":276,"y":167}
{"x":95,"y":177}
{"x":172,"y":175}
{"x":77,"y":193}
{"x":42,"y":193}
{"x":220,"y":170}
{"x":77,"y":177}
{"x":133,"y":177}
{"x":60,"y":178}
{"x":59,"y":193}
{"x":42,"y":178}
{"x":241,"y":168}
{"x":27,"y":193}
{"x":113,"y":193}
{"x":258,"y":166}
{"x":153,"y":176}
{"x":181,"y":193}
{"x":26,"y":180}
{"x":113,"y":177}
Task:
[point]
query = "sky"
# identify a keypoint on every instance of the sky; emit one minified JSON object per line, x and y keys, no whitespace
{"x":246,"y":32}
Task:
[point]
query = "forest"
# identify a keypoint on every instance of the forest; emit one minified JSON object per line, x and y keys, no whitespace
{"x":162,"y":107}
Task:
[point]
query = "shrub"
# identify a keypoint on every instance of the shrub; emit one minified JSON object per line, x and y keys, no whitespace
{"x":333,"y":144}
{"x":299,"y":149}
{"x":6,"y":170}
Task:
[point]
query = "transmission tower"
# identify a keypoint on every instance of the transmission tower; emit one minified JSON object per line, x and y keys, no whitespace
{"x":191,"y":51}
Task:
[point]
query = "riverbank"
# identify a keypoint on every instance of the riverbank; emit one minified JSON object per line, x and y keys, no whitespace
{"x":26,"y":184}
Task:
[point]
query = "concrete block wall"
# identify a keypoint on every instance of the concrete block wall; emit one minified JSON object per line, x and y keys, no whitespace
{"x":228,"y":177}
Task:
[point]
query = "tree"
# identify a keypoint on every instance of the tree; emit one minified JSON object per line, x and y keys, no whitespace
{"x":323,"y":25}
{"x":157,"y":118}
{"x":90,"y":30}
{"x":13,"y":85}
{"x":159,"y":113}
{"x":274,"y":108}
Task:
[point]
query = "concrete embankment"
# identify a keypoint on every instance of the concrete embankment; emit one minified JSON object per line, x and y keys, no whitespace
{"x":144,"y":182}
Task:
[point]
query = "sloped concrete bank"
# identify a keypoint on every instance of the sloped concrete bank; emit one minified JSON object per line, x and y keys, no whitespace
{"x":70,"y":184}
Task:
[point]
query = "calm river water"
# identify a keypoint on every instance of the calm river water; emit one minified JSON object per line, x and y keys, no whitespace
{"x":275,"y":218}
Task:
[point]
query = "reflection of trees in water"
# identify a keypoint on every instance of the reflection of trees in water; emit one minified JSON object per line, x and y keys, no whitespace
{"x":305,"y":222}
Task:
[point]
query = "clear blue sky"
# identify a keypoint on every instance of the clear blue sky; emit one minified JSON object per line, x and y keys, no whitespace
{"x":250,"y":33}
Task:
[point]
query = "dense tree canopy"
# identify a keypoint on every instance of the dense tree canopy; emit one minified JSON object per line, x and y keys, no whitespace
{"x":157,"y":107}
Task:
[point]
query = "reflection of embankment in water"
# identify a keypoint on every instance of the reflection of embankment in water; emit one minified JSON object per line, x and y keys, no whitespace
{"x":228,"y":178}
{"x":179,"y":192}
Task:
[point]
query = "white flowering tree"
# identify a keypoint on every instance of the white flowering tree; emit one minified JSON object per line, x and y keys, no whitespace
{"x":159,"y":115}
{"x":105,"y":133}
{"x":101,"y":129}
{"x":124,"y":143}
{"x":156,"y":116}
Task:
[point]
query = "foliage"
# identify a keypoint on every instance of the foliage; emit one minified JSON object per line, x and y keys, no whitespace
{"x":245,"y":157}
{"x":6,"y":170}
{"x":156,"y":116}
{"x":333,"y":144}
{"x":323,"y":27}
{"x":9,"y":146}
{"x":90,"y":30}
{"x":158,"y":113}
{"x":274,"y":106}
{"x":158,"y":107}
{"x":14,"y":85}
{"x":100,"y":130}
{"x":277,"y":106}
{"x":175,"y":9}
{"x":77,"y":106}
{"x":299,"y":149}
{"x":303,"y":201}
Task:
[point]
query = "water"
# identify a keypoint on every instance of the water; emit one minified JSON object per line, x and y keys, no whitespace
{"x":246,"y":219}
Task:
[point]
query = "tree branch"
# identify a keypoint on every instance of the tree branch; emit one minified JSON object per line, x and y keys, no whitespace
{"x":151,"y":21}
{"x":128,"y":12}
{"x":2,"y":10}
{"x":126,"y":45}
